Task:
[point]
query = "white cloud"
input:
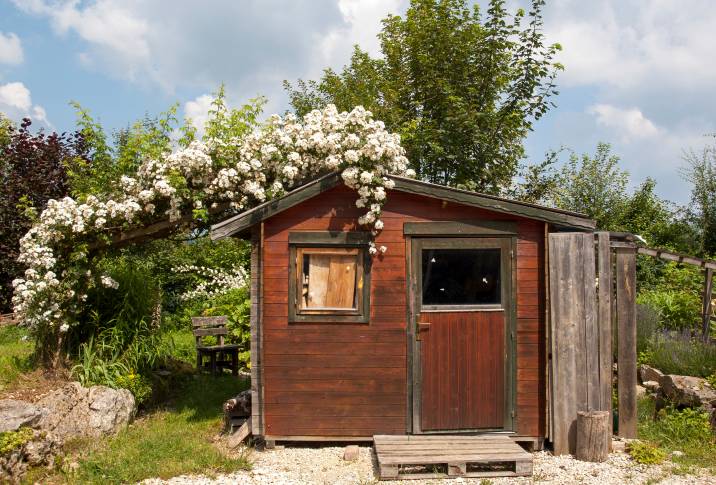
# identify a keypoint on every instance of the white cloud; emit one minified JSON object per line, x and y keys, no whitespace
{"x":10,"y":49}
{"x":16,"y":103}
{"x":628,"y":123}
{"x":113,"y":29}
{"x":197,"y":111}
{"x":629,"y":43}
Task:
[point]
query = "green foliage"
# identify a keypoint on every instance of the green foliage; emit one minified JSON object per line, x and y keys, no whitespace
{"x":462,"y":87}
{"x":701,"y":172}
{"x":16,"y":350}
{"x":681,"y":355}
{"x":11,"y":440}
{"x":137,"y":384}
{"x":646,"y":453}
{"x":235,"y":304}
{"x":647,"y":324}
{"x":685,"y":426}
{"x":685,"y":430}
{"x":675,"y":293}
{"x":712,"y":380}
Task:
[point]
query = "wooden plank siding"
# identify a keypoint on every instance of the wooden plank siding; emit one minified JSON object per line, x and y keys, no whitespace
{"x":350,"y":379}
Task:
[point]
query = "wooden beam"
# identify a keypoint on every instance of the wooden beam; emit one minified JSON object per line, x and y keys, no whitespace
{"x":677,"y":258}
{"x":706,"y":314}
{"x":626,"y":321}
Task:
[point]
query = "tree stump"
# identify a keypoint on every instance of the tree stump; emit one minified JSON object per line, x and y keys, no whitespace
{"x":593,"y":435}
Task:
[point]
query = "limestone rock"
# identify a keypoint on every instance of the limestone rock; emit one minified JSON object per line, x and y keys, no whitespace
{"x":14,"y":414}
{"x":651,"y":386}
{"x":648,"y":373}
{"x":40,"y":450}
{"x":74,"y":411}
{"x":351,"y":453}
{"x":688,"y":391}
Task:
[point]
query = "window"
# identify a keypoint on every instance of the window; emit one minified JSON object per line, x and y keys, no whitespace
{"x":329,"y":278}
{"x":461,"y":277}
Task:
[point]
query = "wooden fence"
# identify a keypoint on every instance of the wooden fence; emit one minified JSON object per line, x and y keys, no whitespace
{"x":591,"y":293}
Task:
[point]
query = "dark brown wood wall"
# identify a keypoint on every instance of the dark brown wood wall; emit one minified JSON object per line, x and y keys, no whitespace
{"x":325,"y":379}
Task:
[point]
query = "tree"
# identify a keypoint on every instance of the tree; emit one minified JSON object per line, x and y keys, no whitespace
{"x":701,"y":172}
{"x":32,"y":171}
{"x":593,"y":185}
{"x":460,"y":86}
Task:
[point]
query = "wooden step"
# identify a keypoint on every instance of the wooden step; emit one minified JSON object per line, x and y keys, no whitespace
{"x":449,"y":456}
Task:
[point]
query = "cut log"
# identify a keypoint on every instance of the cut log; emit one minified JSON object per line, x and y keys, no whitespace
{"x":593,"y":435}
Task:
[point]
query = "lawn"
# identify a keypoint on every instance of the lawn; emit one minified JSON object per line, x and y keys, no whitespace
{"x":170,"y":438}
{"x":687,"y":432}
{"x":15,"y":355}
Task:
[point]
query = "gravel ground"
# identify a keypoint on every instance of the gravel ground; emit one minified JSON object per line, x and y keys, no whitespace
{"x":305,"y":465}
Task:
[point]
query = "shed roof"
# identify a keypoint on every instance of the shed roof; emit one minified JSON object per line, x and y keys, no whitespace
{"x":238,"y":224}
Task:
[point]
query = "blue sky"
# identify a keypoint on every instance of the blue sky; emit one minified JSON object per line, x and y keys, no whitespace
{"x":639,"y":73}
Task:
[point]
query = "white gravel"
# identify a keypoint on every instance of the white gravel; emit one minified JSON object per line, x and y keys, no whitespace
{"x":304,"y":465}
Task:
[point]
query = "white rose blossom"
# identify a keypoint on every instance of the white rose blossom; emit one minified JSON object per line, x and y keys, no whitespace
{"x":236,"y":173}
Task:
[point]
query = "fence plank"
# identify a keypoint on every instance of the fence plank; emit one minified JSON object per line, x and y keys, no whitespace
{"x":591,"y":326}
{"x":604,"y":264}
{"x":626,"y":358}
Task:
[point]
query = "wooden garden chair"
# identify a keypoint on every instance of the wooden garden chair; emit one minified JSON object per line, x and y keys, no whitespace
{"x":222,"y":355}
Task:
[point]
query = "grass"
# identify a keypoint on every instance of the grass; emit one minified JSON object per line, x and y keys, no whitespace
{"x":166,"y":442}
{"x":15,"y":355}
{"x":673,"y":354}
{"x":679,"y":431}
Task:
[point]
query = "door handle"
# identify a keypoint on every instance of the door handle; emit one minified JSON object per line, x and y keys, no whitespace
{"x":422,"y":326}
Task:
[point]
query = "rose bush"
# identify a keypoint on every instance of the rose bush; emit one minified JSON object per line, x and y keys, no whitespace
{"x":192,"y":185}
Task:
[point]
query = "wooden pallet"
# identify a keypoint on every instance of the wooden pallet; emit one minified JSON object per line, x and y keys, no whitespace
{"x":449,"y":456}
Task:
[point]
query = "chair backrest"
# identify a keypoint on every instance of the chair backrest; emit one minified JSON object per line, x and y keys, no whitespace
{"x":205,"y":326}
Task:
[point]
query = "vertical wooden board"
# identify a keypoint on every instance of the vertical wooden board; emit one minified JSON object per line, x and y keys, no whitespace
{"x":626,"y":318}
{"x":341,"y":281}
{"x":591,"y":327}
{"x":254,"y":321}
{"x":604,"y":264}
{"x":563,"y":295}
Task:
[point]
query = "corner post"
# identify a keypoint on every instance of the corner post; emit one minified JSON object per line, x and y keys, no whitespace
{"x":626,"y":321}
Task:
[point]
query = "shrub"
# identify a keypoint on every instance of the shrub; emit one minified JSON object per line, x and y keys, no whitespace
{"x":647,"y":324}
{"x":138,"y":385}
{"x":646,"y":453}
{"x":680,"y":355}
{"x":690,"y":426}
{"x":677,"y":309}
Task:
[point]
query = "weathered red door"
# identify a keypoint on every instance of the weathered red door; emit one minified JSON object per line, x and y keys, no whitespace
{"x":462,"y":306}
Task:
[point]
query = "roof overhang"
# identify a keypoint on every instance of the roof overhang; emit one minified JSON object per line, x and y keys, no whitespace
{"x":239,"y":224}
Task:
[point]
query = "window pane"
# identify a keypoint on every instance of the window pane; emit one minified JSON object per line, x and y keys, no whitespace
{"x":329,"y":281}
{"x":461,"y":276}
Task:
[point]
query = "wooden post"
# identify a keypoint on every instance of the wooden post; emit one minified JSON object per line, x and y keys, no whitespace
{"x":593,"y":435}
{"x":626,"y":358}
{"x":604,"y":265}
{"x":708,"y":291}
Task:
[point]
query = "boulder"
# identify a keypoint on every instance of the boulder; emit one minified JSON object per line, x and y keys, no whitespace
{"x":75,"y":411}
{"x":651,"y":386}
{"x":648,"y":373}
{"x":351,"y":453}
{"x":14,"y":414}
{"x":688,"y":391}
{"x":39,"y":450}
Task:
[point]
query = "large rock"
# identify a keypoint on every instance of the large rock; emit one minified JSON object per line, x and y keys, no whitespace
{"x":40,"y":449}
{"x":74,"y":411}
{"x":648,"y":373}
{"x":688,"y":391}
{"x":14,"y":414}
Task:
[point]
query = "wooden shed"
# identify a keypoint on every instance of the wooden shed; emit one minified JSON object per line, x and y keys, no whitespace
{"x":445,"y":333}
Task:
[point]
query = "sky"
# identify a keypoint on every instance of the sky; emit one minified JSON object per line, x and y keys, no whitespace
{"x":639,"y":74}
